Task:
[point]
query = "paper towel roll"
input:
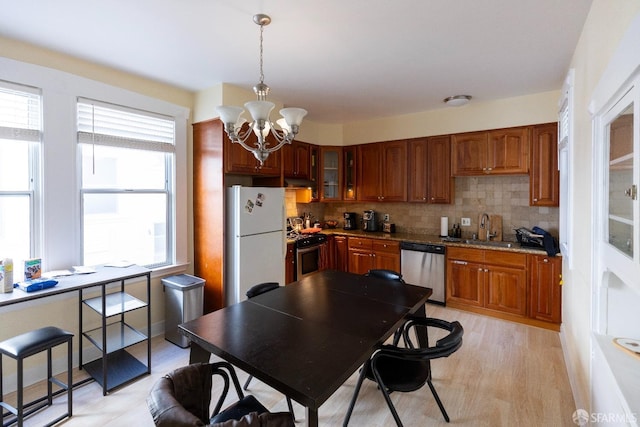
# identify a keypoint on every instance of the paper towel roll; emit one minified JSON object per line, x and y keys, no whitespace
{"x":444,"y":226}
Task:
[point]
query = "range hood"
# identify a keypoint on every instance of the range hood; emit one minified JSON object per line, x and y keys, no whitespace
{"x":299,"y":183}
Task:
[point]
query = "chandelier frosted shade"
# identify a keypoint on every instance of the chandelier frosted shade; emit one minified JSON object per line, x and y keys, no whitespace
{"x":260,"y":111}
{"x":293,"y":116}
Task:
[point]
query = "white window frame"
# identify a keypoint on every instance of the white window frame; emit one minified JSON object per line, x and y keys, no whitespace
{"x":35,"y":190}
{"x":61,"y":216}
{"x":164,"y":143}
{"x":565,"y":166}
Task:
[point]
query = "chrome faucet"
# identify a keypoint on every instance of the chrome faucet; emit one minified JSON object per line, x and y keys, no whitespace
{"x":485,"y":222}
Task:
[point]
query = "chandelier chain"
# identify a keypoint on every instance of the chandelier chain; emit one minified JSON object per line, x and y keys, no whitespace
{"x":261,"y":72}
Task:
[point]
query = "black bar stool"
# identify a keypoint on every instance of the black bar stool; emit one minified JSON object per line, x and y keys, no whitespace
{"x":23,"y":346}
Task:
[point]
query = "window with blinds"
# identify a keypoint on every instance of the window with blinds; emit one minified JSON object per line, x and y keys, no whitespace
{"x":127,"y":184}
{"x":20,"y":136}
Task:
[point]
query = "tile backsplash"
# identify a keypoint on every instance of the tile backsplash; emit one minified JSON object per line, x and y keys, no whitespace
{"x":496,"y":195}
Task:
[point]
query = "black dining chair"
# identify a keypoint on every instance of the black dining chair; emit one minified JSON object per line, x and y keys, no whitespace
{"x":182,"y":398}
{"x":408,"y":369}
{"x":254,"y":291}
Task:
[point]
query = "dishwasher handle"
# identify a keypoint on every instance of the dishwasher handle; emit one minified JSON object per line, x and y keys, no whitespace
{"x":423,"y":247}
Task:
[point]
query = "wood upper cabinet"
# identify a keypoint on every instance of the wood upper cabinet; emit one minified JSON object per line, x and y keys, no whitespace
{"x":349,"y":160}
{"x":295,"y":160}
{"x":382,"y":171}
{"x":545,"y":277}
{"x":366,"y":254}
{"x":237,"y":160}
{"x":429,"y":171}
{"x":330,"y":173}
{"x":544,"y":177}
{"x":500,"y":151}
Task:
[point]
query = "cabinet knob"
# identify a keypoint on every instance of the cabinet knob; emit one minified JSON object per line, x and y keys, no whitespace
{"x":545,"y":260}
{"x":535,"y":199}
{"x":424,"y":198}
{"x":433,"y":198}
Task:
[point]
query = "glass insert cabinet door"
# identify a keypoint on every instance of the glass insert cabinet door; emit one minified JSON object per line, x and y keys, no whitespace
{"x":622,"y":178}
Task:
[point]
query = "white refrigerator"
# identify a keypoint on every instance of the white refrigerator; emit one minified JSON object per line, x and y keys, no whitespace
{"x":255,"y":239}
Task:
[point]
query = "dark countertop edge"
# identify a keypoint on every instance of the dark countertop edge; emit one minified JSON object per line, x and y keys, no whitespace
{"x":429,"y":238}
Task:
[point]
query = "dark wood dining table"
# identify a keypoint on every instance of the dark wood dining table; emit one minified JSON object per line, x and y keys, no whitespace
{"x":307,"y":338}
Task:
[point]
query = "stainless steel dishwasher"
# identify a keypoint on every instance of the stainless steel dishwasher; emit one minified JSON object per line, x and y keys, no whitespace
{"x":422,"y":264}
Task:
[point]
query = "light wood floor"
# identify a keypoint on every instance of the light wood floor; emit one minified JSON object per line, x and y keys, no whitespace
{"x":505,"y":374}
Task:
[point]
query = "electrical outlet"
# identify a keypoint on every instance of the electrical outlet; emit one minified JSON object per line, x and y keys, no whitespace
{"x":386,"y":217}
{"x":465,"y":222}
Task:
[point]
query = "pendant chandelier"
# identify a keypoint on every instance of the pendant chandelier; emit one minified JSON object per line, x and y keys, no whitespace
{"x":260,"y":110}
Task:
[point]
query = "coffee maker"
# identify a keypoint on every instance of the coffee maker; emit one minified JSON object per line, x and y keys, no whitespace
{"x":350,"y":221}
{"x":369,"y":222}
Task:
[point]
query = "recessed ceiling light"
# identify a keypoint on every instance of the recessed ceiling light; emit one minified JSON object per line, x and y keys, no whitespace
{"x":457,"y":100}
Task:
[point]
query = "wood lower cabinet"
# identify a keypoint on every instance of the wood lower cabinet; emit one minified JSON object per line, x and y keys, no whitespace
{"x":493,"y":280}
{"x":366,"y":254}
{"x":544,"y":176}
{"x":341,"y":253}
{"x":545,"y":278}
{"x":509,"y":285}
{"x":290,"y":264}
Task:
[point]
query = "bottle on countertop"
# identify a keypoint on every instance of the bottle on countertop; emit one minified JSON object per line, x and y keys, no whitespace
{"x":6,"y":275}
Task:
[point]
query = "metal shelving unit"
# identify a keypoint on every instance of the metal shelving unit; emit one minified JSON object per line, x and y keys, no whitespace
{"x":116,"y":366}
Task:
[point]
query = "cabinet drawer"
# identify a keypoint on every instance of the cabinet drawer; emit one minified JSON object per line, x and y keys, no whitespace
{"x":359,"y":243}
{"x":506,"y":259}
{"x":386,"y":246}
{"x":464,"y":254}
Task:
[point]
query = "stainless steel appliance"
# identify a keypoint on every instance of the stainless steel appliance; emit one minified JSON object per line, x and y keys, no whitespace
{"x":369,"y":222}
{"x":310,"y":254}
{"x":422,"y":264}
{"x":350,"y":221}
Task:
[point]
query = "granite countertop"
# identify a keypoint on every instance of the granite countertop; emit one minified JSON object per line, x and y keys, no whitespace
{"x":430,"y":238}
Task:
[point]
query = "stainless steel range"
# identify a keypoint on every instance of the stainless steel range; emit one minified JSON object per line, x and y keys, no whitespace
{"x":311,"y":252}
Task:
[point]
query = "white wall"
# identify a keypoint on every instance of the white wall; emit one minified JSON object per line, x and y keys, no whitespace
{"x":605,"y":26}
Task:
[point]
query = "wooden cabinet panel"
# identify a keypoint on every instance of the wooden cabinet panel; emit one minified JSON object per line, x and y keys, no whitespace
{"x":360,"y":262}
{"x":330,"y":173}
{"x":208,"y":210}
{"x":382,"y":172}
{"x":341,"y":254}
{"x":290,"y":264}
{"x":369,"y":172}
{"x":237,"y":160}
{"x":366,"y":254}
{"x":500,"y":151}
{"x":508,"y":151}
{"x":493,"y":280}
{"x":465,"y":282}
{"x":469,"y":153}
{"x":295,"y":160}
{"x":393,"y":176}
{"x":506,"y":290}
{"x":429,"y":170}
{"x":544,"y":177}
{"x":350,"y":181}
{"x":545,"y":275}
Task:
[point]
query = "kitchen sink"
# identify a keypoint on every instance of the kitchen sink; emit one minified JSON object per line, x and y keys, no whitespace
{"x":489,"y":243}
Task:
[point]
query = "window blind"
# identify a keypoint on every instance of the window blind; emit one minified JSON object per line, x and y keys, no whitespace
{"x":20,"y":112}
{"x":101,"y":123}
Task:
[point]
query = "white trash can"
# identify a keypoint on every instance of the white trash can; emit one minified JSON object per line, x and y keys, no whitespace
{"x":183,"y":301}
